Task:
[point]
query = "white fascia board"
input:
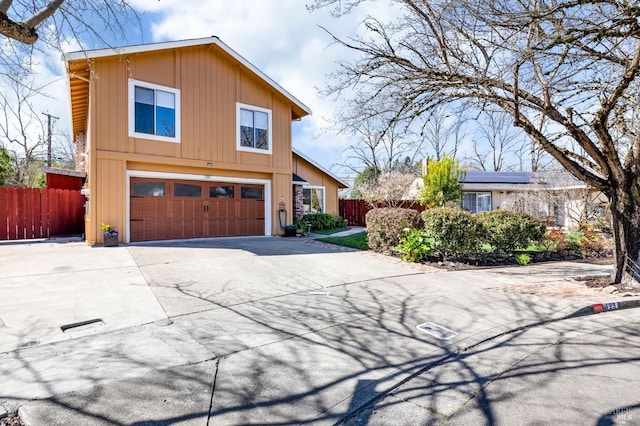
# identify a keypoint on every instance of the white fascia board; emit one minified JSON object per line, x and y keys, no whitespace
{"x":140,"y":48}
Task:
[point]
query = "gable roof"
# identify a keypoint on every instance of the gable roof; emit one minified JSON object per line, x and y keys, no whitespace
{"x":79,"y":75}
{"x":341,"y":183}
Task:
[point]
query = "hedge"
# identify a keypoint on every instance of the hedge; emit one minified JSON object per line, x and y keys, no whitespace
{"x":507,"y":230}
{"x":455,"y":232}
{"x":385,"y":224}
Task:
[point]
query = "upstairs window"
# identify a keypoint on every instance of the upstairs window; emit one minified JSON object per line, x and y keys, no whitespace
{"x":254,"y":129}
{"x":154,"y":111}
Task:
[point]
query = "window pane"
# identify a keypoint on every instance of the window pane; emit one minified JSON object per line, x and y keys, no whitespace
{"x":306,"y":200}
{"x":246,"y":136}
{"x":144,"y":95}
{"x":143,"y":118}
{"x":165,"y":99}
{"x":186,"y":190}
{"x":262,"y":120}
{"x":221,"y":192}
{"x":166,"y":122}
{"x":251,"y":193}
{"x":262,"y":141}
{"x":484,"y":202}
{"x":469,"y":201}
{"x":148,"y":189}
{"x":246,"y":118}
{"x":317,"y":200}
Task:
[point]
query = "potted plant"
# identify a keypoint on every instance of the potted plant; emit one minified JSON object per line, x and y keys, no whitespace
{"x":110,"y":235}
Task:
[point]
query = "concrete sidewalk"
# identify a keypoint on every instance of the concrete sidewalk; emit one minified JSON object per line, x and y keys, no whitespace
{"x":46,"y":285}
{"x":269,"y":343}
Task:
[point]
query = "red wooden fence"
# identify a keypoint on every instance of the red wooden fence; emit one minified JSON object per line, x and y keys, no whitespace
{"x":354,"y":211}
{"x":27,"y":213}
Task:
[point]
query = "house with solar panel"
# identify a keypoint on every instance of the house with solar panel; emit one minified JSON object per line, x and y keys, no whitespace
{"x":555,"y":197}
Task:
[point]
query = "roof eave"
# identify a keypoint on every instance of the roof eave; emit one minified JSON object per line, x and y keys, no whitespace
{"x":302,"y":109}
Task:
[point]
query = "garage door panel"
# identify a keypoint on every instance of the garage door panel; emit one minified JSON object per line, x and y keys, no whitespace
{"x":136,"y":209}
{"x":136,"y":230}
{"x":189,"y":209}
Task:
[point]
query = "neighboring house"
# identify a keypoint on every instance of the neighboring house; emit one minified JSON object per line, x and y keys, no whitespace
{"x":188,"y":139}
{"x":555,"y":197}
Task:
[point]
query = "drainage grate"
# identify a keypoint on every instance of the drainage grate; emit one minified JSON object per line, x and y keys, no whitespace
{"x":437,"y":331}
{"x":29,"y":344}
{"x":82,"y":325}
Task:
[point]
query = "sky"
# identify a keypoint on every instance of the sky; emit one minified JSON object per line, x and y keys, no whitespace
{"x":280,"y":37}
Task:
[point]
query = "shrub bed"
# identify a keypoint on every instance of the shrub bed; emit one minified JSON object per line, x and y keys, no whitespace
{"x":385,"y":224}
{"x":320,"y":220}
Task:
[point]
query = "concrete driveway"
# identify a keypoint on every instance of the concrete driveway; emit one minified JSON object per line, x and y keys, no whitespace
{"x":271,"y":330}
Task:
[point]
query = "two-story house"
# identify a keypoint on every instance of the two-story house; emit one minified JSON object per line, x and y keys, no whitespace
{"x":188,"y":139}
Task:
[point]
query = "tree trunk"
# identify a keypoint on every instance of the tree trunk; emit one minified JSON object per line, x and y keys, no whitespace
{"x":625,"y":220}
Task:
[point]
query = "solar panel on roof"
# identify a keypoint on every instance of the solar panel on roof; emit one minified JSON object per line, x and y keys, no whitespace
{"x":498,"y":177}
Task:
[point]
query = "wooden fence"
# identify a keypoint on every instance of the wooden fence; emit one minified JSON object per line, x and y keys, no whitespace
{"x":27,"y":213}
{"x":354,"y":211}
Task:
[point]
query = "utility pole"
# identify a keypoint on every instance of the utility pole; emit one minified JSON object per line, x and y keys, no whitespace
{"x":49,"y":129}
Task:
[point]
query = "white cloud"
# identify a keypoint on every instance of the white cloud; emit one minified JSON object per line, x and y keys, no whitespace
{"x":282,"y":39}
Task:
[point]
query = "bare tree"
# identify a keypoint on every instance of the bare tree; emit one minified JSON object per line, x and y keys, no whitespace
{"x":574,"y":63}
{"x":56,"y":23}
{"x":381,"y":144}
{"x":443,"y":132}
{"x":557,"y":197}
{"x":390,"y":189}
{"x":496,"y":144}
{"x":21,"y":132}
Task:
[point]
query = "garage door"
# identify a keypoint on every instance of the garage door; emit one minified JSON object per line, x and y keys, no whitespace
{"x":167,"y":209}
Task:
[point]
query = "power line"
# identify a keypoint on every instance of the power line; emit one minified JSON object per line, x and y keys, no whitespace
{"x":49,"y":124}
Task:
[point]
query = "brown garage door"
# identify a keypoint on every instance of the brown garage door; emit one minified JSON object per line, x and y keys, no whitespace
{"x":167,"y":209}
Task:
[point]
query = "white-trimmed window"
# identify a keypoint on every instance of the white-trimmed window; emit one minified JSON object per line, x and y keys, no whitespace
{"x":476,"y":202}
{"x":313,"y":200}
{"x":154,"y":111}
{"x":254,"y":129}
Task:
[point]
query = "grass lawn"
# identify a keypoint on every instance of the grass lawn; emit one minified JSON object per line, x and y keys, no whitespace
{"x":356,"y":241}
{"x":329,"y":231}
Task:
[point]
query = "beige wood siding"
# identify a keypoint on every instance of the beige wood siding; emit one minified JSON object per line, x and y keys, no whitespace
{"x":109,"y":195}
{"x":210,"y":84}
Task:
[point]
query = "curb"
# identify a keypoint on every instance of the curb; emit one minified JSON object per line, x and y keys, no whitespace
{"x":597,"y":308}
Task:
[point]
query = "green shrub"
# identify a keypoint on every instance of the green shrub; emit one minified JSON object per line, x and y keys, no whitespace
{"x":320,"y":220}
{"x":523,"y":259}
{"x":575,"y":240}
{"x":384,"y":226}
{"x":507,"y":230}
{"x":414,"y":245}
{"x":455,"y":232}
{"x":340,"y":222}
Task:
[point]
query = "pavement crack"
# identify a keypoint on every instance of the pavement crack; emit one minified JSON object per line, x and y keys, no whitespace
{"x":213,"y":390}
{"x":494,"y":378}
